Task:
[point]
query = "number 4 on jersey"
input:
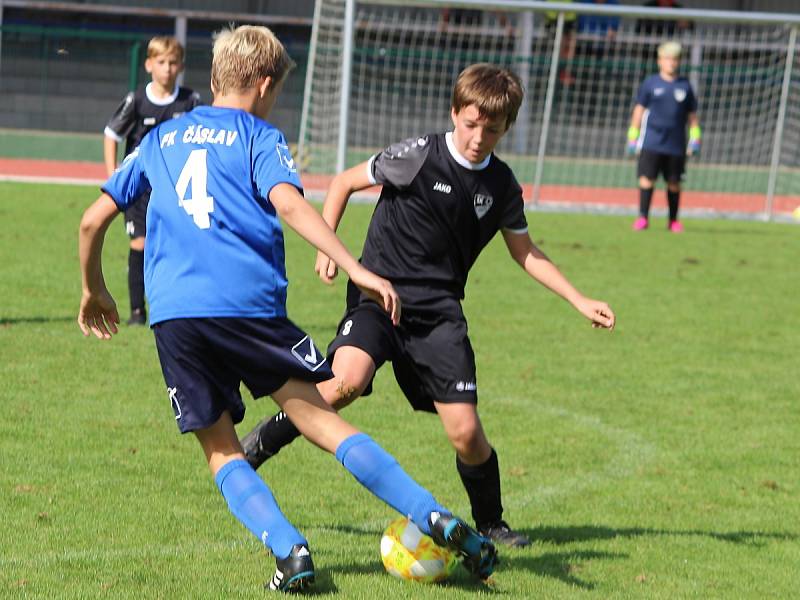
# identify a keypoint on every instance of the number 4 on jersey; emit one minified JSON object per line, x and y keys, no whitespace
{"x":199,"y":204}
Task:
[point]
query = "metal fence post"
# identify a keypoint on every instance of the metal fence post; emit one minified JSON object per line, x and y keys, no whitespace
{"x":347,"y":68}
{"x":776,"y":146}
{"x":180,"y":35}
{"x":548,"y":107}
{"x":524,"y":50}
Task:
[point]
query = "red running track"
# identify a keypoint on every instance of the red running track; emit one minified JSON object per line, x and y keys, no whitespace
{"x":88,"y":172}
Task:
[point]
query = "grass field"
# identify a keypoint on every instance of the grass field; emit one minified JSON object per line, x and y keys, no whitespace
{"x":659,"y":461}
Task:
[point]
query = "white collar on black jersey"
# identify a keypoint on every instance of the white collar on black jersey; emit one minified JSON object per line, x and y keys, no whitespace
{"x":148,"y":90}
{"x":448,"y":137}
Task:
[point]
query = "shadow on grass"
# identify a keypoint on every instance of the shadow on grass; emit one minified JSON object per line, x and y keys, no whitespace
{"x":564,"y":566}
{"x":583,"y":533}
{"x":7,"y":322}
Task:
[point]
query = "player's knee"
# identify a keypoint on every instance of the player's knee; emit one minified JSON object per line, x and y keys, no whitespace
{"x":339,"y":391}
{"x":466,"y":437}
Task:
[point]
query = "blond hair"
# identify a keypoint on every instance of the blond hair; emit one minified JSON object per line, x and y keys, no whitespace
{"x":670,"y":50}
{"x":496,"y":92}
{"x":164,"y":44}
{"x":244,"y":55}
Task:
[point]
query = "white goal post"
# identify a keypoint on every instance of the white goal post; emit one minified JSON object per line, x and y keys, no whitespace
{"x":382,"y":70}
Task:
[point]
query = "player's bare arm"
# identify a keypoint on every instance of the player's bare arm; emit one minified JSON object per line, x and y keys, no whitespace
{"x":110,"y":155}
{"x":541,"y":268}
{"x":636,"y":116}
{"x":307,"y":222}
{"x":342,"y":187}
{"x":98,"y":311}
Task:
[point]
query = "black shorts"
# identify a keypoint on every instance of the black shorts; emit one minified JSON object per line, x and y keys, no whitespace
{"x":205,"y":360}
{"x":431,"y":354}
{"x":653,"y":163}
{"x":136,"y":217}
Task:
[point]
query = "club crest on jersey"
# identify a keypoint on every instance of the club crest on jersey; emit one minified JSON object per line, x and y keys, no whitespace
{"x":680,"y":94}
{"x":285,"y":157}
{"x":482,"y":204}
{"x":306,"y":352}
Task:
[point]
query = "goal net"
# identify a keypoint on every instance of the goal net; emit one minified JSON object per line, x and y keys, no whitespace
{"x":395,"y":81}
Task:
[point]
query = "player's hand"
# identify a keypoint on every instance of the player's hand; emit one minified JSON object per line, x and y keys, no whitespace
{"x":98,"y":315}
{"x":326,"y":268}
{"x":379,"y":289}
{"x":693,"y":148}
{"x":599,"y":313}
{"x":632,"y":148}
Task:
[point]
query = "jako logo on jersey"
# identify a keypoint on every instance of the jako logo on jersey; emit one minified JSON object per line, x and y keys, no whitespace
{"x":442,"y":187}
{"x":466,"y":386}
{"x":285,"y":156}
{"x":306,"y":353}
{"x":658,"y":91}
{"x":149,"y":121}
{"x":680,"y":95}
{"x":482,"y":204}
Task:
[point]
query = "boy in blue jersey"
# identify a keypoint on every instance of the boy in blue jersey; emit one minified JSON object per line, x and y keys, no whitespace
{"x":219,"y":178}
{"x":665,"y":106}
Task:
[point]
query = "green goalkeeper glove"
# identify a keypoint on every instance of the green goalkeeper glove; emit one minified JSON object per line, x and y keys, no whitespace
{"x":633,"y":141}
{"x":694,"y":140}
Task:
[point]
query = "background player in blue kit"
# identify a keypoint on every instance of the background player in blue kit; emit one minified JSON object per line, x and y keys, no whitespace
{"x":220,"y":177}
{"x":665,"y":106}
{"x":138,"y":113}
{"x":444,"y":197}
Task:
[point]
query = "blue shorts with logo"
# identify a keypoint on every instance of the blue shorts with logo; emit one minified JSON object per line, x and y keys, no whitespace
{"x":205,"y":360}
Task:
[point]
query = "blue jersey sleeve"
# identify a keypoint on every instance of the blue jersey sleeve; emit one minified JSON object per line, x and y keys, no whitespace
{"x":643,"y":96}
{"x":691,"y":101}
{"x":129,"y":182}
{"x":273,"y":162}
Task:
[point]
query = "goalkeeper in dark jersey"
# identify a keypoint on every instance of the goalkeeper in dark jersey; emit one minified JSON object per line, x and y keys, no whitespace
{"x":137,"y":114}
{"x":444,"y":198}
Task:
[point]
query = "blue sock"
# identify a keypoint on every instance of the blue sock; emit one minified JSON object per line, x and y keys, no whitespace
{"x":378,"y":471}
{"x":251,"y":501}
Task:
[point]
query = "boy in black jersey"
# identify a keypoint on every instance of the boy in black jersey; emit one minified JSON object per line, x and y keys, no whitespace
{"x":136,"y":115}
{"x":444,"y":197}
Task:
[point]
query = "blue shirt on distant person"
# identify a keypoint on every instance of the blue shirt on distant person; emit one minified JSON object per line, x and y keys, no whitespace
{"x":214,"y":243}
{"x":598,"y":24}
{"x":668,"y":105}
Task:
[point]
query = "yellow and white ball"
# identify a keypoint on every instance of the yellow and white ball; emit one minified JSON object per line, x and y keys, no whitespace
{"x":409,"y":554}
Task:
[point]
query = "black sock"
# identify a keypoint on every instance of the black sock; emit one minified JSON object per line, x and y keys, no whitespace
{"x":277,"y":432}
{"x":645,"y":197}
{"x":482,"y":483}
{"x":673,"y":198}
{"x":136,"y":279}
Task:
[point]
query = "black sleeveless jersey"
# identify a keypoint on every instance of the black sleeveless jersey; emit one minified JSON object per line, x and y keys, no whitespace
{"x":138,"y":113}
{"x":435,"y":214}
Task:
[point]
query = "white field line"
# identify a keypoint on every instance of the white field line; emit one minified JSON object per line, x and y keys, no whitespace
{"x":632,"y":453}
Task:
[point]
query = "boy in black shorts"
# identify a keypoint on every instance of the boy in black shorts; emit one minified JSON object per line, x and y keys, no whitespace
{"x":444,"y":197}
{"x":138,"y":113}
{"x":665,"y":107}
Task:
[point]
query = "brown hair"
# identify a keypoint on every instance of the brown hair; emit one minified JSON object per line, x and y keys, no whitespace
{"x":164,"y":44}
{"x":495,"y":91}
{"x":244,"y":55}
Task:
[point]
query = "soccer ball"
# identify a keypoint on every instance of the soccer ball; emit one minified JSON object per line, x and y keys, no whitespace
{"x":409,"y":554}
